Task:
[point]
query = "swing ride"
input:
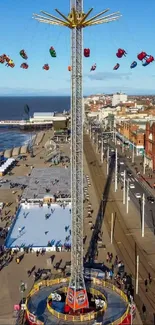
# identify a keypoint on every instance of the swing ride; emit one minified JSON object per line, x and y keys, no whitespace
{"x":78,"y":304}
{"x":142,"y":56}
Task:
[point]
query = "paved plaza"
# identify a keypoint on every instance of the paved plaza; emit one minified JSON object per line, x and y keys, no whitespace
{"x":36,"y":227}
{"x":51,"y":180}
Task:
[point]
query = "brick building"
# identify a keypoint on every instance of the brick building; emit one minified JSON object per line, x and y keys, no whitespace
{"x":133,"y":134}
{"x":150,"y":145}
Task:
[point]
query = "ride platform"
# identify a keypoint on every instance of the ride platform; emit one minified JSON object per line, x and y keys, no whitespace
{"x":116,"y":309}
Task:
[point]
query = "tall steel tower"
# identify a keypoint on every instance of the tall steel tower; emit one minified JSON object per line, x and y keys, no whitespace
{"x":76,"y":21}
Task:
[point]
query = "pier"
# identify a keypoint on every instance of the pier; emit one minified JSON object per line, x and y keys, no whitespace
{"x":26,"y":125}
{"x":38,"y":121}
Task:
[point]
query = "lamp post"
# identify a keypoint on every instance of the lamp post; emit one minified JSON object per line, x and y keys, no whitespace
{"x":143,"y":214}
{"x":90,"y":131}
{"x":108,"y":161}
{"x":96,"y":142}
{"x":133,"y":153}
{"x":144,"y":164}
{"x":102,"y":150}
{"x":137,"y":274}
{"x":115,"y":137}
{"x":124,"y":186}
{"x":127,"y":197}
{"x":112,"y":228}
{"x":116,"y":169}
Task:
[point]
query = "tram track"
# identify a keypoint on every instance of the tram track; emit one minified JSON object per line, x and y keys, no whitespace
{"x":126,"y":246}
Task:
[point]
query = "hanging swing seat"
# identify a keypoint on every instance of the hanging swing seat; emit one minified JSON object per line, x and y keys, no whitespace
{"x":23,"y":54}
{"x":133,"y":65}
{"x":116,"y":67}
{"x":2,"y":60}
{"x":52,"y":52}
{"x":24,"y":66}
{"x":46,"y":67}
{"x":93,"y":67}
{"x":86,"y":53}
{"x":120,"y":53}
{"x":141,"y":56}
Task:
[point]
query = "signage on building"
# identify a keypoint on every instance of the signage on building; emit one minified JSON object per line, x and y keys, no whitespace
{"x":77,"y":299}
{"x":32,"y":318}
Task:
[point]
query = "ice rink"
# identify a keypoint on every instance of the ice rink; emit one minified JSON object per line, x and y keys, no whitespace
{"x":36,"y":226}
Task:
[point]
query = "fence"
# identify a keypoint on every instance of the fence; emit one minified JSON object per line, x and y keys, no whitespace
{"x":86,"y":317}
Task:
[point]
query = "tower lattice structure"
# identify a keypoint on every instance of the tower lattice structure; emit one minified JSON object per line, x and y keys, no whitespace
{"x":76,"y":21}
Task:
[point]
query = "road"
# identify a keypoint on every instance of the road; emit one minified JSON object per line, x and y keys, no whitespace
{"x":126,"y":246}
{"x":138,"y":188}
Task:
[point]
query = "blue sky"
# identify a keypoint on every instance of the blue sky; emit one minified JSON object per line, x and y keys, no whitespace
{"x":134,"y":32}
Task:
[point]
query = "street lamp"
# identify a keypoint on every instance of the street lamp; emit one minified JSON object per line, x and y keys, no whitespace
{"x":108,"y":161}
{"x":143,"y":214}
{"x":133,"y":153}
{"x":127,"y":197}
{"x":116,"y":169}
{"x":124,"y":186}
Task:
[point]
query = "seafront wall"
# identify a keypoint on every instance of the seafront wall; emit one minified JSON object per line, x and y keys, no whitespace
{"x":22,"y":150}
{"x":39,"y":138}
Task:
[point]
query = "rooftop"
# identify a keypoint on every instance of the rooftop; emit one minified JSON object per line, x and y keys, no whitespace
{"x":41,"y":114}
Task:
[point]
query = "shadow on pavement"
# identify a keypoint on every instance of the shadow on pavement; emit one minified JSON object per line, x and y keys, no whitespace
{"x":92,"y":249}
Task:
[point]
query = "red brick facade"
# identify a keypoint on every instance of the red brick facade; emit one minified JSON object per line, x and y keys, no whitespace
{"x":131,"y":132}
{"x":150,"y":143}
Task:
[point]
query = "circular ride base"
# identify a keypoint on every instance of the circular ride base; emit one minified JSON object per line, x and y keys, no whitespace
{"x":40,"y":311}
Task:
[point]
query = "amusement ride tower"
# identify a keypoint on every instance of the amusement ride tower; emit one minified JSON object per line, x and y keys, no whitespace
{"x":76,"y":21}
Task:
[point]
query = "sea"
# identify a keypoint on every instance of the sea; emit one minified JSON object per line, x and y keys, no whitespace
{"x":12,"y":108}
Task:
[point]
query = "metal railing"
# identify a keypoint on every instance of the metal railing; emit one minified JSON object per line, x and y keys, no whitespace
{"x":86,"y":317}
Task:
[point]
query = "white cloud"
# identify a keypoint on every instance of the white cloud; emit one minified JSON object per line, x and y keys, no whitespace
{"x":109,"y":76}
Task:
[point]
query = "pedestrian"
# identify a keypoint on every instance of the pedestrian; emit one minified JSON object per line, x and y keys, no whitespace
{"x":146,"y":283}
{"x":144,"y":309}
{"x":108,"y":257}
{"x":150,"y":278}
{"x":111,"y":274}
{"x":131,"y":299}
{"x":116,"y":261}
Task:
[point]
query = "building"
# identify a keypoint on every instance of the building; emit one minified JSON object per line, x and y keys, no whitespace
{"x":58,"y":121}
{"x":132,"y":135}
{"x":150,"y":145}
{"x":119,"y":98}
{"x":61,"y":135}
{"x":42,"y":116}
